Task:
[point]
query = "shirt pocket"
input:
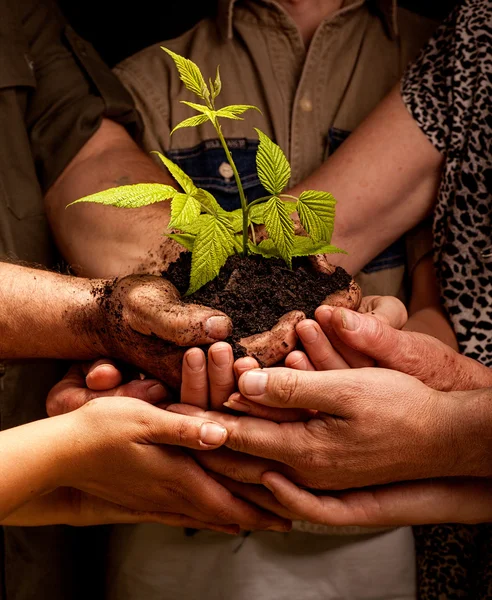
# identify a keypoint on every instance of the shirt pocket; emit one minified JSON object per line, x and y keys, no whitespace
{"x":209,"y":169}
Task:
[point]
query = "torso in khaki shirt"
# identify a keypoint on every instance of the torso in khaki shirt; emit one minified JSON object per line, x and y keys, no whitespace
{"x":310,"y":100}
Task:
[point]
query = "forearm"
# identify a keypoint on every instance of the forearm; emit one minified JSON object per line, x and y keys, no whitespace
{"x":384,"y":177}
{"x":432,"y":321}
{"x":31,"y":462}
{"x":47,"y":315}
{"x":123,"y":240}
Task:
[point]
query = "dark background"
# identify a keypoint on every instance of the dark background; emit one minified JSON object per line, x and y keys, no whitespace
{"x":117,"y":31}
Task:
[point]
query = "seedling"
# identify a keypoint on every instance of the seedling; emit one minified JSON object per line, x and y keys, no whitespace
{"x":202,"y":226}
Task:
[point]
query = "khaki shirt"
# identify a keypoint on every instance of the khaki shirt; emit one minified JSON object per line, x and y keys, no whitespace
{"x":49,"y":107}
{"x":310,"y":100}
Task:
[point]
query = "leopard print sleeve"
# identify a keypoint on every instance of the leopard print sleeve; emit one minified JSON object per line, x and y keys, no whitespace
{"x":448,"y":91}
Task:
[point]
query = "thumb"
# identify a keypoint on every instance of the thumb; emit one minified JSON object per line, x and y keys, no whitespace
{"x":417,"y":354}
{"x":182,"y":430}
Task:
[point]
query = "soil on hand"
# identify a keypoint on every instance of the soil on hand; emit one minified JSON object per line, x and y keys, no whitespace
{"x":255,"y":292}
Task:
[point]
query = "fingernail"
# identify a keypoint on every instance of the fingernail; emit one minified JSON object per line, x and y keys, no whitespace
{"x":218,"y":327}
{"x":221,"y":356}
{"x":308,"y":333}
{"x":280,"y":528}
{"x":350,"y":320}
{"x":254,"y":382}
{"x":212,"y":434}
{"x":156,"y":392}
{"x":195,"y":360}
{"x":237,"y":405}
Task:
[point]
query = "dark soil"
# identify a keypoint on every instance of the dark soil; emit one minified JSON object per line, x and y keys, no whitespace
{"x":255,"y":292}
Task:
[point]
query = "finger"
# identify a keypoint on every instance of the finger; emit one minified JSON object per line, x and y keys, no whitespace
{"x":102,"y":375}
{"x":278,"y":415}
{"x":349,"y":298}
{"x":167,"y":427}
{"x":387,"y":309}
{"x":317,"y":346}
{"x":194,"y":383}
{"x":152,"y":306}
{"x":351,"y":357}
{"x":244,"y":364}
{"x":414,"y":503}
{"x":270,"y":347}
{"x":298,"y":360}
{"x":255,"y":494}
{"x":220,"y":374}
{"x":417,"y":354}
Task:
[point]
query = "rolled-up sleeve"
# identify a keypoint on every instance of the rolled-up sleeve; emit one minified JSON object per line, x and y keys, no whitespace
{"x":74,"y":90}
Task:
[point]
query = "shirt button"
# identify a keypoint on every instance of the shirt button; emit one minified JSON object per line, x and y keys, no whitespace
{"x":306,"y":104}
{"x":226,"y":171}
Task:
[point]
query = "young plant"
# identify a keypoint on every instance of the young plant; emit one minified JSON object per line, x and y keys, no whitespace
{"x":202,"y":226}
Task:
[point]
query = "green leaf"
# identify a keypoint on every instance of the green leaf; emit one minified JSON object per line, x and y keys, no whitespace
{"x":184,"y":210}
{"x":213,"y":245}
{"x":184,"y":239}
{"x":234,"y":110}
{"x":266,"y":248}
{"x":236,"y":219}
{"x":273,"y":168}
{"x":317,"y":214}
{"x":196,"y":226}
{"x":280,"y":227}
{"x":305,"y":246}
{"x":191,"y":122}
{"x":217,"y":85}
{"x":199,"y":107}
{"x":238,"y":242}
{"x":208,"y":201}
{"x":131,"y":196}
{"x":179,"y":175}
{"x":190,"y":74}
{"x":256,"y":211}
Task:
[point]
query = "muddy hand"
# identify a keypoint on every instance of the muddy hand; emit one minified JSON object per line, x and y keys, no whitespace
{"x":144,"y":322}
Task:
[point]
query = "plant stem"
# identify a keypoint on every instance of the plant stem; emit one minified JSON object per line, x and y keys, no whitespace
{"x":244,"y":204}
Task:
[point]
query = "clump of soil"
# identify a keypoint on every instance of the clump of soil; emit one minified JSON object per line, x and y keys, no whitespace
{"x":255,"y":292}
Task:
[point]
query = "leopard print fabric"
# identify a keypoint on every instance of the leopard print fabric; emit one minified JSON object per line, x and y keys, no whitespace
{"x":448,"y":91}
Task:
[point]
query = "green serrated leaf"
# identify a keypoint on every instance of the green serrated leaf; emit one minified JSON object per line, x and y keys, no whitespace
{"x":305,"y":246}
{"x":191,"y":122}
{"x":131,"y":196}
{"x":194,"y":228}
{"x":256,"y":211}
{"x":199,"y":107}
{"x":184,"y":239}
{"x":184,"y":210}
{"x":217,"y":85}
{"x":317,"y":214}
{"x":265,"y":248}
{"x":238,"y":243}
{"x":272,"y":166}
{"x":179,"y":175}
{"x":280,"y":227}
{"x":234,"y":110}
{"x":213,"y":245}
{"x":208,"y":201}
{"x":190,"y":74}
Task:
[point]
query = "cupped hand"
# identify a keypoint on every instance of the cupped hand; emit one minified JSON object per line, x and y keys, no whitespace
{"x":371,"y":339}
{"x":325,"y":349}
{"x":143,"y":321}
{"x":128,"y":452}
{"x":373,"y":426}
{"x":86,"y":381}
{"x":447,"y":500}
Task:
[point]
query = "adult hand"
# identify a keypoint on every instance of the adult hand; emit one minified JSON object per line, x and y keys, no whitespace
{"x":325,"y":350}
{"x":143,"y":322}
{"x":86,"y":381}
{"x":373,"y":426}
{"x":417,"y":354}
{"x":125,"y":452}
{"x":448,"y":500}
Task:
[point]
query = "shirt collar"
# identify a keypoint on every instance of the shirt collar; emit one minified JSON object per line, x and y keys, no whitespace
{"x":386,"y":9}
